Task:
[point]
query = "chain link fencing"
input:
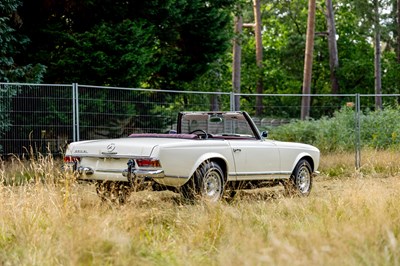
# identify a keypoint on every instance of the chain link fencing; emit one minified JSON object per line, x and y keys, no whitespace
{"x":46,"y":117}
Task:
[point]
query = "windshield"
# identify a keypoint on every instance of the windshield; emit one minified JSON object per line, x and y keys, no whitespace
{"x":223,"y":124}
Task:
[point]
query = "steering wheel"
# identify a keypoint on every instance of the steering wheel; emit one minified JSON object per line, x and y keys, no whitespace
{"x":201,"y":131}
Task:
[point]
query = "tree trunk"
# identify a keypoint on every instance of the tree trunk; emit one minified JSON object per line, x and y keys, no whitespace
{"x":378,"y":82}
{"x":332,"y":46}
{"x":215,"y":102}
{"x":398,"y":31}
{"x":259,"y":57}
{"x":308,"y":59}
{"x":237,"y":53}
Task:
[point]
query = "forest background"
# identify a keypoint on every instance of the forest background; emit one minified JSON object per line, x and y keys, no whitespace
{"x":187,"y":45}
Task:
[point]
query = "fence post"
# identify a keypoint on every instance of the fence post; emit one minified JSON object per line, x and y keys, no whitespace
{"x":232,"y":101}
{"x":75,"y":112}
{"x":357,"y":132}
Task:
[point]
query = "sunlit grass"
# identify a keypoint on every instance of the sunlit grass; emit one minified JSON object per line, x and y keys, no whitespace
{"x":351,"y":218}
{"x":373,"y":164}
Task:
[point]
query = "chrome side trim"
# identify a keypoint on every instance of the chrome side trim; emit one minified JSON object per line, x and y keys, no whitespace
{"x":260,"y":173}
{"x":260,"y":176}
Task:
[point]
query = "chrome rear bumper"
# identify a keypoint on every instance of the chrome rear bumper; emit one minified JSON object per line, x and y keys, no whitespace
{"x":135,"y":173}
{"x":139,"y":173}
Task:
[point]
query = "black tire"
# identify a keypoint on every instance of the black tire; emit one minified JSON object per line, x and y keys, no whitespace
{"x":207,"y":183}
{"x":114,"y":192}
{"x":300,"y":182}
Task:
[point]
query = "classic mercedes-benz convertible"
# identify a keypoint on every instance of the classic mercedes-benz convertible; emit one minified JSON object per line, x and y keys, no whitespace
{"x":208,"y":154}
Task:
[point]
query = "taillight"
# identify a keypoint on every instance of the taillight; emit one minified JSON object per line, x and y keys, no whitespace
{"x":148,"y":163}
{"x":71,"y":159}
{"x":71,"y":162}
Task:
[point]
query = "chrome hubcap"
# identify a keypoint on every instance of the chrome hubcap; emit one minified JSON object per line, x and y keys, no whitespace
{"x":304,"y":179}
{"x":212,"y":185}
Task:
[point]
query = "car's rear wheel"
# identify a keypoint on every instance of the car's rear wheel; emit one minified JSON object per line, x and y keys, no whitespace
{"x":207,"y":183}
{"x":300,"y":182}
{"x":114,"y":192}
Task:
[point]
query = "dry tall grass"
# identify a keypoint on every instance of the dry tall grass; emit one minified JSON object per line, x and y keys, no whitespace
{"x":350,"y":218}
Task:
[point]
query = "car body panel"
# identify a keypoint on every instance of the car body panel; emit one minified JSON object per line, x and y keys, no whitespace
{"x":255,"y":158}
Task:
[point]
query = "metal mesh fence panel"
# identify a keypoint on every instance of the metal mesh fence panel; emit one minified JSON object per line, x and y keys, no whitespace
{"x":45,"y":118}
{"x":35,"y":118}
{"x":106,"y":112}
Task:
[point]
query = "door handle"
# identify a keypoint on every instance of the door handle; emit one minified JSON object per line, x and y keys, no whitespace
{"x":237,"y":150}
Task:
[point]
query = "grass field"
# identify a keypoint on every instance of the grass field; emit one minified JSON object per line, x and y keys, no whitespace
{"x":351,"y":218}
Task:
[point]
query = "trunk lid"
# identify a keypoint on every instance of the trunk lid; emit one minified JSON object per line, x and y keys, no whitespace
{"x":122,"y":148}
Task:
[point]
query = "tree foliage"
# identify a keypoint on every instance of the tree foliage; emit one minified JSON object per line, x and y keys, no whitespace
{"x":12,"y":44}
{"x":127,"y":43}
{"x":171,"y":44}
{"x":284,"y":29}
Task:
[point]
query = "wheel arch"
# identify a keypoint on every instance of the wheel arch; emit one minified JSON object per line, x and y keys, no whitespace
{"x":304,"y":156}
{"x":212,"y":157}
{"x":222,"y":163}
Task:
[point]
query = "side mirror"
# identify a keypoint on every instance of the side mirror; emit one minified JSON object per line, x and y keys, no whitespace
{"x":264,"y":134}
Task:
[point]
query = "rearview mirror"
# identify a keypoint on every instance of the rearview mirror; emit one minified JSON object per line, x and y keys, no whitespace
{"x":264,"y":134}
{"x":215,"y":119}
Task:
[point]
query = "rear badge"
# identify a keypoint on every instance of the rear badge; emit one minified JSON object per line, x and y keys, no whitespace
{"x":80,"y":151}
{"x":110,"y":149}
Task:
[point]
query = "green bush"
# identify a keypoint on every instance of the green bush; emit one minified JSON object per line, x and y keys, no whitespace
{"x":378,"y":130}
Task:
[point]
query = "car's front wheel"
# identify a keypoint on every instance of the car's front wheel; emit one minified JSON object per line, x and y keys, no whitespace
{"x":300,"y":182}
{"x":207,"y":183}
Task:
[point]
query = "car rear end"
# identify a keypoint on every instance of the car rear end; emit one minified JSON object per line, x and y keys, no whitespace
{"x":108,"y":159}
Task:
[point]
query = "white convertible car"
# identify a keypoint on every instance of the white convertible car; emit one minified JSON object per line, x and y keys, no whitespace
{"x":208,"y":154}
